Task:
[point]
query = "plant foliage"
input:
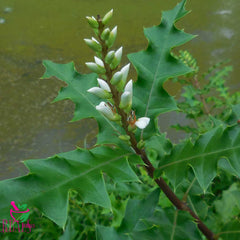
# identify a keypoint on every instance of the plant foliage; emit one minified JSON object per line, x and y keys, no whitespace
{"x":109,"y":191}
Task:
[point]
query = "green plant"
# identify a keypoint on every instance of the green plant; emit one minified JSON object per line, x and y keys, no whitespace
{"x":205,"y":99}
{"x":130,"y":147}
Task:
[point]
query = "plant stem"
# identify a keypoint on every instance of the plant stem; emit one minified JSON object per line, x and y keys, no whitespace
{"x":180,"y":205}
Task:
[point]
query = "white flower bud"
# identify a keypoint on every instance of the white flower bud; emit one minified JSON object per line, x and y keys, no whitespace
{"x":126,"y":101}
{"x":126,"y":98}
{"x":125,"y":71}
{"x":142,"y":122}
{"x":99,"y":92}
{"x":99,"y":62}
{"x":112,"y":37}
{"x":103,"y":85}
{"x":107,"y":112}
{"x":93,"y":44}
{"x":109,"y":57}
{"x":107,"y":17}
{"x":117,"y":58}
{"x":92,"y":22}
{"x":116,"y":78}
{"x":95,"y":40}
{"x":129,"y":86}
{"x":95,"y":68}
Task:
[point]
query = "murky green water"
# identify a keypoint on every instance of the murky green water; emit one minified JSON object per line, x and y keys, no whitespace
{"x":32,"y":30}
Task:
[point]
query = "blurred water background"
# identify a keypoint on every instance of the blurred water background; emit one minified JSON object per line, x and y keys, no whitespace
{"x":32,"y":30}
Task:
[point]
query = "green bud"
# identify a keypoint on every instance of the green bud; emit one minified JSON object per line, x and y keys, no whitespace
{"x":124,"y":137}
{"x":93,"y":44}
{"x":105,"y":34}
{"x":92,"y":22}
{"x":112,"y":37}
{"x":116,"y":78}
{"x":117,"y":58}
{"x":141,"y":144}
{"x":107,"y":17}
{"x":126,"y":102}
{"x":132,"y":128}
{"x":110,"y":56}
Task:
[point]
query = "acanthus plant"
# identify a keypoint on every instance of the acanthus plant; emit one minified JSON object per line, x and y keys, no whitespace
{"x":129,"y":140}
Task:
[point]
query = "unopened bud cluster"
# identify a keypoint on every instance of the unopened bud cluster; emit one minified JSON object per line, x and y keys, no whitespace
{"x":113,"y":86}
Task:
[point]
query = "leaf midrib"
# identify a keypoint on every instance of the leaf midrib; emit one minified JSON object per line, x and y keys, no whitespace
{"x":197,"y":156}
{"x":56,"y":186}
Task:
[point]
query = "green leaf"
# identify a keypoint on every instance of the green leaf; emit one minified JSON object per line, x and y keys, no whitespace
{"x":69,"y":233}
{"x":156,"y":64}
{"x":157,"y":147}
{"x":76,"y":90}
{"x":143,"y":220}
{"x":231,"y":231}
{"x":135,"y":211}
{"x":229,"y":205}
{"x":203,"y":156}
{"x":49,"y":180}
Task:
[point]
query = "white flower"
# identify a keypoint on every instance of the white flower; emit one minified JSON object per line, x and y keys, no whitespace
{"x":106,"y":110}
{"x":142,"y":122}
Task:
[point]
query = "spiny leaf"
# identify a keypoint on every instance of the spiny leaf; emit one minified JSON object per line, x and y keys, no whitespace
{"x":157,"y":147}
{"x":49,"y":180}
{"x":203,"y":156}
{"x":135,"y":211}
{"x":85,"y":102}
{"x":143,"y":220}
{"x":156,"y":64}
